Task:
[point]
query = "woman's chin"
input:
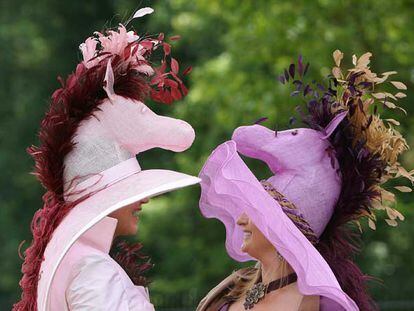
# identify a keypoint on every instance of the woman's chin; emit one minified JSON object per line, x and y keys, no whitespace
{"x":133,"y":227}
{"x":245,"y":247}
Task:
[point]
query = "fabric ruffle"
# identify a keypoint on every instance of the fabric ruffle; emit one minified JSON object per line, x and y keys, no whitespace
{"x":229,"y":188}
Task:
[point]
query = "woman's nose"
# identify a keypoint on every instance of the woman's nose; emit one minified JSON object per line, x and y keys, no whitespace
{"x":143,"y":201}
{"x":242,"y":220}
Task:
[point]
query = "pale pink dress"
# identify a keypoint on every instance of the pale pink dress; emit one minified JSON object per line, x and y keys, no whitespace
{"x":89,"y":279}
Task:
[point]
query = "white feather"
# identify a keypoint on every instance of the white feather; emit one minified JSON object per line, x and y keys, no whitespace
{"x":142,"y":12}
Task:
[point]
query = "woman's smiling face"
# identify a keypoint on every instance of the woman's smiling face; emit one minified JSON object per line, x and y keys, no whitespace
{"x":128,"y":218}
{"x":254,"y":242}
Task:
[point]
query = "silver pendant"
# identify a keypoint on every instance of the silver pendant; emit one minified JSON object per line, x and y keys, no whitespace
{"x":254,"y":295}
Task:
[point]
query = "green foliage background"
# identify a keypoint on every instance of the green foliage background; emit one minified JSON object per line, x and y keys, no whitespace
{"x":237,"y":49}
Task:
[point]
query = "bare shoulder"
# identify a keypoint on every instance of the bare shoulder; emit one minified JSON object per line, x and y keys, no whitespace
{"x":310,"y":303}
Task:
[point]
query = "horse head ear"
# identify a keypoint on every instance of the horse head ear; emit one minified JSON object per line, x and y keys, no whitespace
{"x":330,"y":128}
{"x":109,"y":81}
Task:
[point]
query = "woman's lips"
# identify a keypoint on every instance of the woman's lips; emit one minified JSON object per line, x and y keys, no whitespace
{"x":136,"y":211}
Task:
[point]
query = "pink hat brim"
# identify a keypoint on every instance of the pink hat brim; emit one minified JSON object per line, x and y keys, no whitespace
{"x":229,"y":188}
{"x":145,"y":184}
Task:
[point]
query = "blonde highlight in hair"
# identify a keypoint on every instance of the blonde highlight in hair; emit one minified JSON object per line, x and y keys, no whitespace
{"x":245,"y":279}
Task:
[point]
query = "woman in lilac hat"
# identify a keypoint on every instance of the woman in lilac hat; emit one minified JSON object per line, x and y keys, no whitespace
{"x":296,"y":224}
{"x":96,"y":125}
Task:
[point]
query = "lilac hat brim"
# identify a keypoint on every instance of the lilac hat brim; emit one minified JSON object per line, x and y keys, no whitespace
{"x":144,"y":184}
{"x":229,"y":188}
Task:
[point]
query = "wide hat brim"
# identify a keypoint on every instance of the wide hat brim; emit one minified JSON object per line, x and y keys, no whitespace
{"x":229,"y":188}
{"x":144,"y":184}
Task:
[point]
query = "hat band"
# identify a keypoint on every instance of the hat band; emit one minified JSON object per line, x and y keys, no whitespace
{"x":104,"y":179}
{"x":292,"y":212}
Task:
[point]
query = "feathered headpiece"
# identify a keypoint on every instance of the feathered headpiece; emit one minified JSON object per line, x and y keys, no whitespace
{"x":367,"y":148}
{"x":322,"y":178}
{"x":125,"y":59}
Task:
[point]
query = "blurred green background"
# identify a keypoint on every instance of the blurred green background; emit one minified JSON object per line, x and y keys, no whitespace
{"x":237,"y":49}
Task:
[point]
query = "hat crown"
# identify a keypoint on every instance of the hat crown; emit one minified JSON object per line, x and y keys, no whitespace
{"x":119,"y":130}
{"x":91,"y":156}
{"x":304,"y":171}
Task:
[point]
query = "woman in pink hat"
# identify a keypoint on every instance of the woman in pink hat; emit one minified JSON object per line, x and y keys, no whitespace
{"x":296,"y":224}
{"x":96,"y":125}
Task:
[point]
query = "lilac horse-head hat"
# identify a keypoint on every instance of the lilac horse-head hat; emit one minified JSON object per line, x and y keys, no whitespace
{"x":323,"y":177}
{"x":95,"y":129}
